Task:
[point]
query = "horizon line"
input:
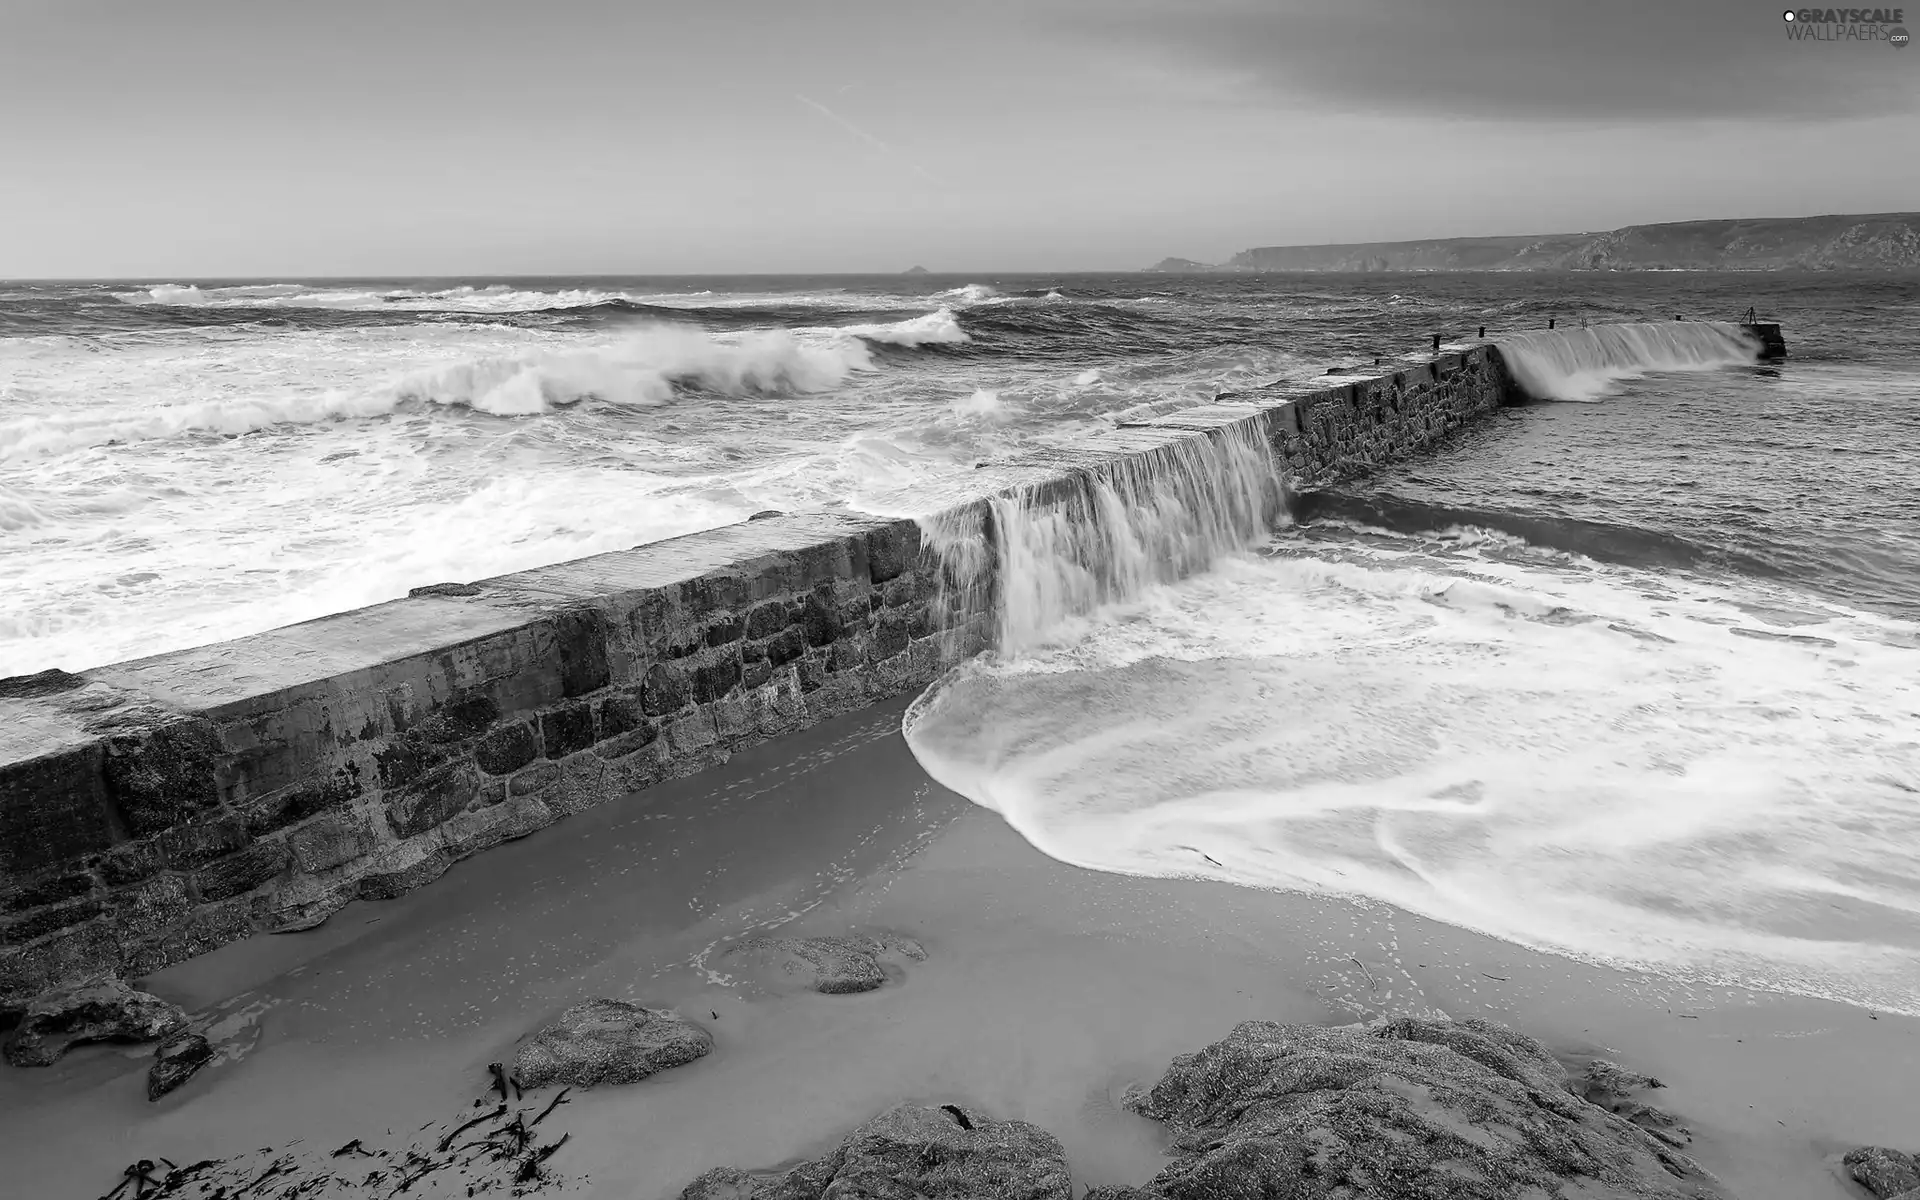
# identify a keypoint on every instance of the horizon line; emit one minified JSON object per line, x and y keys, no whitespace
{"x":919,"y":270}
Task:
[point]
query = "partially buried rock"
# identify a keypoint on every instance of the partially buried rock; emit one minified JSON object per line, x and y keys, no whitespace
{"x":105,"y":1011}
{"x":944,"y":1153}
{"x":1617,"y":1090}
{"x":1888,"y":1174}
{"x":1404,"y":1108}
{"x":608,"y":1041}
{"x":175,"y":1062}
{"x":834,"y":965}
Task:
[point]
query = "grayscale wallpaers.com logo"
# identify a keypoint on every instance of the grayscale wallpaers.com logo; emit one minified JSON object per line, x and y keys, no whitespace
{"x":1848,"y":25}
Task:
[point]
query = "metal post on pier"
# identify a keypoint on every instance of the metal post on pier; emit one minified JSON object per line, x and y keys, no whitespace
{"x":1550,"y":322}
{"x":1436,"y":343}
{"x":1483,"y":331}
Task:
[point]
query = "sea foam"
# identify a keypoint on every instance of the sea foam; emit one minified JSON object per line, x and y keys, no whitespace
{"x":937,"y":328}
{"x":648,"y":366}
{"x":1601,"y":762}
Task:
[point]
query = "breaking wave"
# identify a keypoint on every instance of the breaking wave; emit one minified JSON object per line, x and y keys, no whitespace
{"x":1584,"y":364}
{"x":649,"y":367}
{"x":972,"y":293}
{"x":325,"y":306}
{"x":490,"y":298}
{"x":937,"y":328}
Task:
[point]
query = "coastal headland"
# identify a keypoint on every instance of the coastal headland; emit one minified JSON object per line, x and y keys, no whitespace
{"x":1836,"y":242}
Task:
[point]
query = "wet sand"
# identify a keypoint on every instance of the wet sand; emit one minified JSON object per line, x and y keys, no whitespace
{"x":1047,"y":991}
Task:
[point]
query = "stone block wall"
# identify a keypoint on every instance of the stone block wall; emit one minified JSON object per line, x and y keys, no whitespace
{"x":177,"y":820}
{"x":154,"y":810}
{"x":1379,"y":415}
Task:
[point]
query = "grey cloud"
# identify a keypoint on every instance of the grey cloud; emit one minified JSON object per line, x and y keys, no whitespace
{"x":1597,"y":60}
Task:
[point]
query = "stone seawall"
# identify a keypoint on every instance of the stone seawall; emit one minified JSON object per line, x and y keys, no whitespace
{"x":154,"y":810}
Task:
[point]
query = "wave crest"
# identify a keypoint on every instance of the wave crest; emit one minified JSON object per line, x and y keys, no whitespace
{"x":645,"y":369}
{"x":648,"y":367}
{"x":972,"y":293}
{"x":937,"y":328}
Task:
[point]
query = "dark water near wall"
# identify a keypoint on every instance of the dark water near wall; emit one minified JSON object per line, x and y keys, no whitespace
{"x":1801,"y":474}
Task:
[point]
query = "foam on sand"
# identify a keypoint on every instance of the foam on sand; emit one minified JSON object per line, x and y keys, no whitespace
{"x":1046,"y":995}
{"x":1598,"y":762}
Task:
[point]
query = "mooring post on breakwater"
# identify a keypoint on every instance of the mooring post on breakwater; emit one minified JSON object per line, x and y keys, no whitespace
{"x":1436,"y":343}
{"x":1483,"y":331}
{"x":1550,"y":321}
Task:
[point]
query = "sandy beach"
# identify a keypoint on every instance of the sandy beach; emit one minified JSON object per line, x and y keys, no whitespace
{"x":1047,"y":990}
{"x":1059,"y":600}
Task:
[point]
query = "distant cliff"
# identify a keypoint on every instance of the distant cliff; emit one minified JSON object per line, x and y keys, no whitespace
{"x":1881,"y":241}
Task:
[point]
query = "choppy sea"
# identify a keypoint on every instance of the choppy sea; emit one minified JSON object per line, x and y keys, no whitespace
{"x":1631,"y":674}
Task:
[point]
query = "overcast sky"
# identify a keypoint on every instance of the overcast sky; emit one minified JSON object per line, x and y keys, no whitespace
{"x":197,"y":138}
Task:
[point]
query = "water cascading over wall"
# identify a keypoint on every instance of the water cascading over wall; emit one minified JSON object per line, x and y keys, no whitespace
{"x":1200,"y":483}
{"x":1579,"y":364}
{"x":1028,"y":560}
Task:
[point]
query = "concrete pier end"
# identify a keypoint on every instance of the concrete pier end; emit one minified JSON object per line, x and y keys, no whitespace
{"x":1773,"y":346}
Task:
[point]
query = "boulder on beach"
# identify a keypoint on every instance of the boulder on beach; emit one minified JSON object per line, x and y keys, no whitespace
{"x":608,"y":1041}
{"x":1618,"y":1090}
{"x":834,"y":965}
{"x":175,"y":1062}
{"x":1394,"y":1110}
{"x":1406,"y":1109}
{"x":106,"y":1010}
{"x":935,"y":1153}
{"x":1888,"y":1174}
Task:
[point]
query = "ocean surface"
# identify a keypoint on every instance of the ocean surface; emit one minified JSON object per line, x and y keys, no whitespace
{"x":1631,"y":674}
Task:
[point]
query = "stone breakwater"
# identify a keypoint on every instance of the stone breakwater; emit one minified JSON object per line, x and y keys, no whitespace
{"x":154,"y":810}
